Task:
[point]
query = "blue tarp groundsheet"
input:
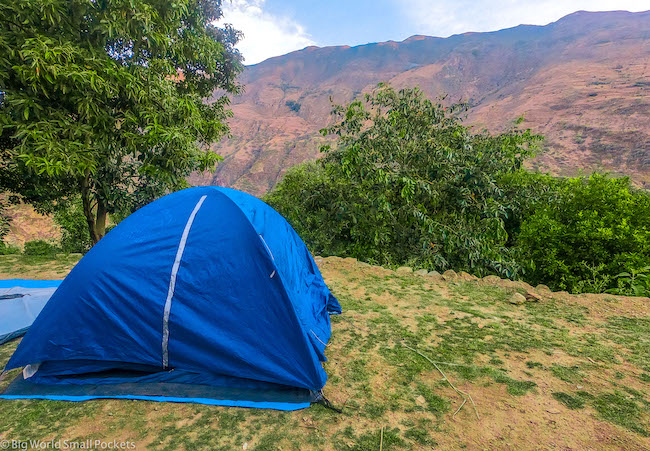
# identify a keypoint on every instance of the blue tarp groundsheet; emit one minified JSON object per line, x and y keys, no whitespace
{"x":29,"y":283}
{"x":21,"y":300}
{"x":206,"y":293}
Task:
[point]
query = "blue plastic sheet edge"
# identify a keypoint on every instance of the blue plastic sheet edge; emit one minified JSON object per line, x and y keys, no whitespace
{"x":29,"y":283}
{"x":206,"y":401}
{"x":12,"y":335}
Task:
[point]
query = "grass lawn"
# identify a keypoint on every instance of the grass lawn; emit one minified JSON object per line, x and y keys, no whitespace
{"x":570,"y":372}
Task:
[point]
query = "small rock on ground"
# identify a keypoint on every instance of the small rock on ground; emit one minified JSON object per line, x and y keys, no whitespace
{"x":532,"y":296}
{"x":517,"y":299}
{"x":404,"y":269}
{"x":333,"y":258}
{"x":421,"y":272}
{"x":450,"y":274}
{"x":526,"y":286}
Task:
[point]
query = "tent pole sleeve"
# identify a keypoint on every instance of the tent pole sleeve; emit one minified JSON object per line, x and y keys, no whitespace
{"x":172,"y":283}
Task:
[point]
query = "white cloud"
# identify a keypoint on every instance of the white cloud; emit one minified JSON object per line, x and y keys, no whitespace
{"x":447,"y":17}
{"x":265,"y":35}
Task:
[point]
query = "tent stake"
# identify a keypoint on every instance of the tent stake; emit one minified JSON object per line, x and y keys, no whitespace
{"x":325,"y":402}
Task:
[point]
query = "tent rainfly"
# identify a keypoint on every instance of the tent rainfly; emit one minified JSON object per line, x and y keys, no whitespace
{"x":206,"y":295}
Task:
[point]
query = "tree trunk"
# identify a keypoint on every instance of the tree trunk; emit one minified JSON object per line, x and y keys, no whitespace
{"x":100,"y":221}
{"x":88,"y":210}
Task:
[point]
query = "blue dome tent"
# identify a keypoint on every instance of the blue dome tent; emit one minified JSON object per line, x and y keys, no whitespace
{"x":205,"y":295}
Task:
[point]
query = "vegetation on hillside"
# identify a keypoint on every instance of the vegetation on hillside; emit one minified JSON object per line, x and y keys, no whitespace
{"x":408,"y":183}
{"x":103,"y":102}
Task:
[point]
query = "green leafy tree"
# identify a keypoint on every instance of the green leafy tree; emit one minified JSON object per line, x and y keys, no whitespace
{"x":106,"y":99}
{"x":407,"y":181}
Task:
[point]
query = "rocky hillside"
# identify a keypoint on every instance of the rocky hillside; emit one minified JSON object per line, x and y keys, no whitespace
{"x":26,"y":224}
{"x":583,"y":82}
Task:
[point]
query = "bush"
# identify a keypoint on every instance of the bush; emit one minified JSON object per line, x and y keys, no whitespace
{"x":4,"y":220}
{"x":293,"y":105}
{"x":634,"y":283}
{"x":39,"y":248}
{"x":75,"y":237}
{"x":8,"y":250}
{"x":307,"y":197}
{"x":594,"y":229}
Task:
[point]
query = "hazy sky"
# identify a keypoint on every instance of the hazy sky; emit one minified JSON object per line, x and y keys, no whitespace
{"x":276,"y":27}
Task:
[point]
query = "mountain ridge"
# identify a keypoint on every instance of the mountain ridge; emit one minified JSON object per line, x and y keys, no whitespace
{"x":582,"y":81}
{"x":418,"y":37}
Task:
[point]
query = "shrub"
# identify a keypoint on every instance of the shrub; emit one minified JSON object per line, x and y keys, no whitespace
{"x":594,"y":229}
{"x":4,"y":220}
{"x":293,"y":105}
{"x":634,"y":283}
{"x":39,"y":248}
{"x":7,"y":249}
{"x":75,"y":236}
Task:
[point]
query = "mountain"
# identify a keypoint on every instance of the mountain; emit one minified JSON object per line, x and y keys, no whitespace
{"x":583,"y":82}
